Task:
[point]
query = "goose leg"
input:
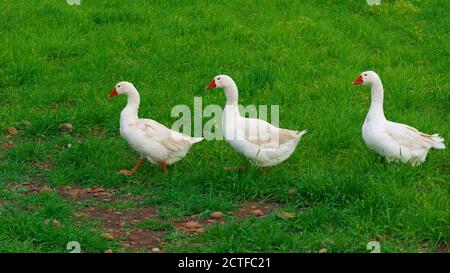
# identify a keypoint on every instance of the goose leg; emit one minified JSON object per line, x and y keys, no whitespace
{"x":134,"y":169}
{"x":163,"y":166}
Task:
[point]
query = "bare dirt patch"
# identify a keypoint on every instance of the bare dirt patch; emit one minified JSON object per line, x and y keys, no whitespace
{"x":248,"y":209}
{"x":120,"y":225}
{"x":9,"y":144}
{"x":443,"y":249}
{"x":80,"y":194}
{"x":42,"y":165}
{"x":26,"y":188}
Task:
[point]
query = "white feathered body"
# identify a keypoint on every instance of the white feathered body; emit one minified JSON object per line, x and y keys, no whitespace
{"x":155,"y":142}
{"x":258,"y":140}
{"x":152,"y":140}
{"x":397,"y":141}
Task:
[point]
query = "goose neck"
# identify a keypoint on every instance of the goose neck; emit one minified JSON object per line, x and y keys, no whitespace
{"x":130,"y":112}
{"x":231,"y":92}
{"x":377,"y":96}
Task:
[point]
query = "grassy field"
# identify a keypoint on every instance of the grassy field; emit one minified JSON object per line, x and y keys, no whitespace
{"x":58,"y":63}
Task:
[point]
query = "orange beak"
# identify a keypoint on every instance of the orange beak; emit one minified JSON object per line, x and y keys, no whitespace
{"x":211,"y":85}
{"x":358,"y":80}
{"x":112,"y":93}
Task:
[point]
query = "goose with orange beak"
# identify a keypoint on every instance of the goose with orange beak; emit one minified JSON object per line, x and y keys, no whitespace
{"x":153,"y":141}
{"x":259,"y":141}
{"x":395,"y":141}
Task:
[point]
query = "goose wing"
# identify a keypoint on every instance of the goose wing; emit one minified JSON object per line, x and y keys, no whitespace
{"x":408,"y":136}
{"x":265,"y":135}
{"x":171,"y":139}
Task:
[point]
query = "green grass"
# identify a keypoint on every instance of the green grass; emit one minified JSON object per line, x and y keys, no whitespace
{"x":26,"y":225}
{"x":58,"y":63}
{"x":154,"y":225}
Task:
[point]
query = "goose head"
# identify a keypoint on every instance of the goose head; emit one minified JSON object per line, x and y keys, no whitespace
{"x":220,"y":81}
{"x":229,"y":86}
{"x":367,"y":78}
{"x":126,"y":88}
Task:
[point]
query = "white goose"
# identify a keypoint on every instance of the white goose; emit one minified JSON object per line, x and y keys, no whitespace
{"x":256,"y":139}
{"x":152,"y":140}
{"x":395,"y":141}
